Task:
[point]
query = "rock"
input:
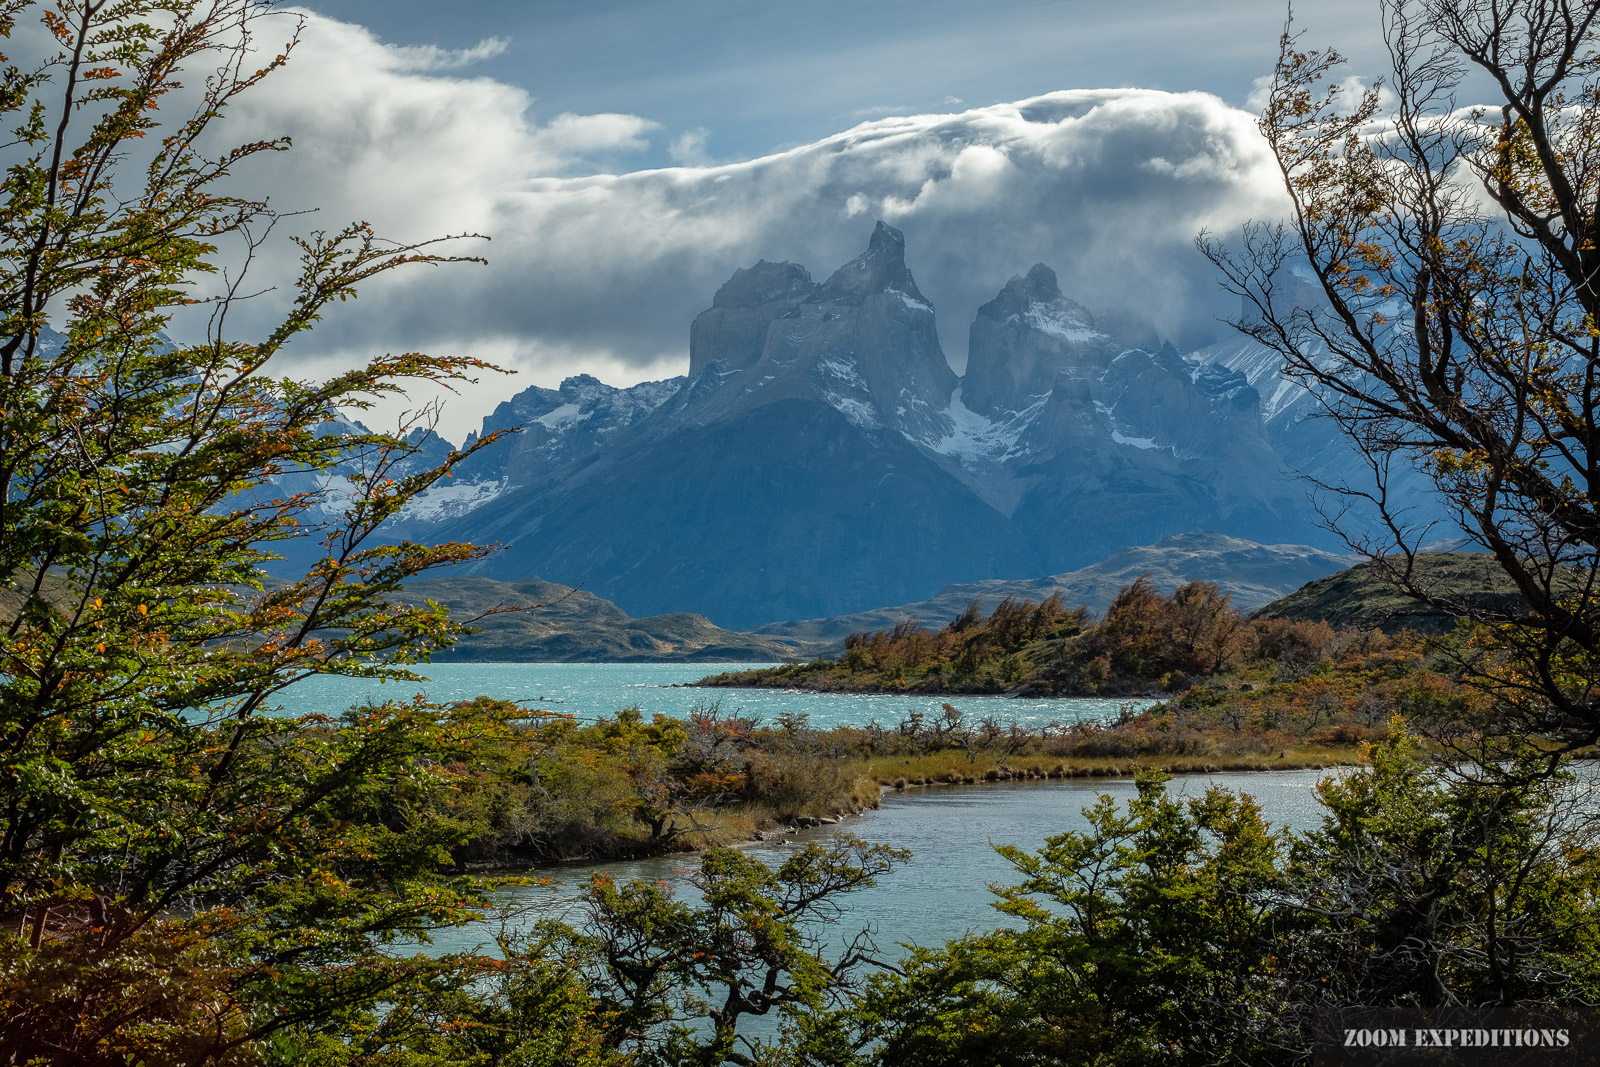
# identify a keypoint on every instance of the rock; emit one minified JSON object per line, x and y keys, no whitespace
{"x":1029,"y":340}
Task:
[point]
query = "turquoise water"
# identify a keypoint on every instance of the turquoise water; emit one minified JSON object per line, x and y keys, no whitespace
{"x":592,"y":690}
{"x":940,"y":894}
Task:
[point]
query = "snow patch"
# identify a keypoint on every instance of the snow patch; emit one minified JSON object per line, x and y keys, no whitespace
{"x":1263,"y":369}
{"x":843,"y":369}
{"x":333,"y":493}
{"x":858,"y":412}
{"x":975,"y":438}
{"x":562,"y":416}
{"x":1137,"y":442}
{"x":910,"y":301}
{"x":1063,"y":322}
{"x":451,"y":499}
{"x":446,"y":499}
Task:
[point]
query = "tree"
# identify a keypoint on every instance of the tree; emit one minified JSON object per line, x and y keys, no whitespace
{"x":1190,"y":931}
{"x":184,"y":874}
{"x":1148,"y":938}
{"x":1453,"y":252}
{"x":673,"y":982}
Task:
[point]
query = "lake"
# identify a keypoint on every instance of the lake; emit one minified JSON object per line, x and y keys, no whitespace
{"x":942,"y":893}
{"x":593,"y":690}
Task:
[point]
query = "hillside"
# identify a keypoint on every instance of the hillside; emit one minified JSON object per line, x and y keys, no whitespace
{"x":1361,"y":598}
{"x":1253,"y":574}
{"x":563,"y":624}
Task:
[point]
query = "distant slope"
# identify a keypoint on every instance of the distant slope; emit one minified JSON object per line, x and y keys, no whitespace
{"x":566,"y":625}
{"x":560,"y":624}
{"x":1362,"y":598}
{"x":1254,"y":574}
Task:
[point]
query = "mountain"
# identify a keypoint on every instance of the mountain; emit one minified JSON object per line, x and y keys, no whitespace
{"x":781,"y":478}
{"x":1116,"y":444}
{"x":1298,"y":427}
{"x":822,"y":457}
{"x":562,"y":624}
{"x":1253,"y":574}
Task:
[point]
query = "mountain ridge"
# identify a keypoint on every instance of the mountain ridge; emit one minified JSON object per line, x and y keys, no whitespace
{"x":1254,"y":574}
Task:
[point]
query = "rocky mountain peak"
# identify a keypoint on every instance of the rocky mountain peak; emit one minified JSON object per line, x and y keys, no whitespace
{"x":863,"y":342}
{"x":734,"y":328}
{"x":763,"y":283}
{"x":882,"y":267}
{"x":886,"y":240}
{"x":1039,"y":285}
{"x":1024,"y":338}
{"x":1037,"y":297}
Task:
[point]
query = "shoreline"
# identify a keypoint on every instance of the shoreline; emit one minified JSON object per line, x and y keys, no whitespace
{"x":1022,"y":692}
{"x":1114,"y":770}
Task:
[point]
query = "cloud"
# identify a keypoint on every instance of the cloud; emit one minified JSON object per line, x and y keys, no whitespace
{"x":689,"y":148}
{"x":878,"y":111}
{"x":594,"y":266}
{"x":429,"y":57}
{"x":570,"y":139}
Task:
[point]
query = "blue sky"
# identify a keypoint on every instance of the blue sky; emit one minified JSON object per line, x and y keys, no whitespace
{"x":626,"y":158}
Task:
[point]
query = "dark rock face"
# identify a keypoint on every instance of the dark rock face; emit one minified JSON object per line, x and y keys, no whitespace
{"x":1105,"y":444}
{"x":821,"y":457}
{"x":1154,"y":446}
{"x":734,"y":328}
{"x":1311,"y":444}
{"x":784,"y":507}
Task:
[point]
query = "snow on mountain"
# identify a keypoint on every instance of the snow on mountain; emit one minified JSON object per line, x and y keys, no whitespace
{"x":975,"y":438}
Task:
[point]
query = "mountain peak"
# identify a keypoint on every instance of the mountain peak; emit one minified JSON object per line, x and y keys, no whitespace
{"x":1041,"y":285}
{"x":882,"y":266}
{"x":1038,"y":286}
{"x":762,"y":284}
{"x":887,"y":239}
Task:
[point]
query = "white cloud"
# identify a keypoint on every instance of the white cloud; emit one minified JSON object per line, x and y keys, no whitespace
{"x":1351,"y":90}
{"x":689,"y":147}
{"x":878,"y":111}
{"x":569,"y":139}
{"x":596,"y":267}
{"x":429,"y":57}
{"x":1260,"y":94}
